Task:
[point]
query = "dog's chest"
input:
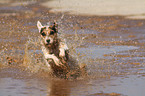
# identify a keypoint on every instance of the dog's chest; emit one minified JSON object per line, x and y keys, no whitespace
{"x":47,"y":51}
{"x":54,"y":51}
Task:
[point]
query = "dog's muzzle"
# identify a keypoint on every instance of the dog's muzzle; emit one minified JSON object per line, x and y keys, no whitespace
{"x":48,"y":41}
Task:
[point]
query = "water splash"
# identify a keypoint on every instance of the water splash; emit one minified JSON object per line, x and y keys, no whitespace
{"x":34,"y":59}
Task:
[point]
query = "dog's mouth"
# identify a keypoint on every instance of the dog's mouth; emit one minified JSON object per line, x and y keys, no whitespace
{"x":48,"y":44}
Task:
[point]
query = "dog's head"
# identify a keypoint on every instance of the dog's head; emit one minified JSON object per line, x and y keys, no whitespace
{"x":48,"y":33}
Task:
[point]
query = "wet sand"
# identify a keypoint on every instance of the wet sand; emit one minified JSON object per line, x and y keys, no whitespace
{"x":112,"y":47}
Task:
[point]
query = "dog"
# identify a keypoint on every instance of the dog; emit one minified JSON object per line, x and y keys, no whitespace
{"x":54,"y":48}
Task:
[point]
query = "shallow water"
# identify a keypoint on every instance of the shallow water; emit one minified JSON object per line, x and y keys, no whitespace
{"x":113,"y":49}
{"x":130,"y":86}
{"x":100,"y":51}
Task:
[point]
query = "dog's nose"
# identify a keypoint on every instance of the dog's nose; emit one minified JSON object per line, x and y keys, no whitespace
{"x":48,"y":41}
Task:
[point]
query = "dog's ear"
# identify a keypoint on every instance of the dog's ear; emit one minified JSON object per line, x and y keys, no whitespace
{"x":55,"y":26}
{"x":39,"y":25}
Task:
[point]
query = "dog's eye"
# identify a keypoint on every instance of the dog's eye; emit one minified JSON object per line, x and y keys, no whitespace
{"x":43,"y":34}
{"x":51,"y":32}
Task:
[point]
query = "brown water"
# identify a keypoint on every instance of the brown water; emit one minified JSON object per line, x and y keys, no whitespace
{"x":112,"y":47}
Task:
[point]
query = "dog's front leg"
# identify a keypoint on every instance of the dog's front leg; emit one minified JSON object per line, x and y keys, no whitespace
{"x":55,"y":59}
{"x":63,"y":54}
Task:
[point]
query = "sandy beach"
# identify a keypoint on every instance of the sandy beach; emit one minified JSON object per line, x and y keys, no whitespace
{"x":132,"y":8}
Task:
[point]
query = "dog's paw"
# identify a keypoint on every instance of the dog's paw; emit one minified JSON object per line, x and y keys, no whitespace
{"x":62,"y":52}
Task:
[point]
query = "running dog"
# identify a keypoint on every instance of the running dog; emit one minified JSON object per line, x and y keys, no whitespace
{"x":54,"y":48}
